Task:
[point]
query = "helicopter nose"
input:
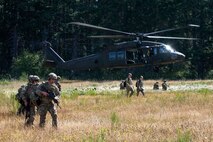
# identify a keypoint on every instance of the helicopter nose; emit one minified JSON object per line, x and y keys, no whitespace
{"x":180,"y":56}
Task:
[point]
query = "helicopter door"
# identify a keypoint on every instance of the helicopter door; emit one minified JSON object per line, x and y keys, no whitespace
{"x":142,"y":56}
{"x":130,"y":57}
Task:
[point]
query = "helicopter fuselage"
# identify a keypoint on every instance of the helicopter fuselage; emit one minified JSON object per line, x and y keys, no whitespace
{"x":126,"y":54}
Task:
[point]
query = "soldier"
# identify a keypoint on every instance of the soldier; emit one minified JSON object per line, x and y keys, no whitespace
{"x":30,"y":98}
{"x":21,"y":109}
{"x":122,"y":85}
{"x":156,"y":86}
{"x":164,"y":85}
{"x":45,"y":91}
{"x":57,"y":83}
{"x":139,"y":85}
{"x":20,"y":94}
{"x":129,"y":85}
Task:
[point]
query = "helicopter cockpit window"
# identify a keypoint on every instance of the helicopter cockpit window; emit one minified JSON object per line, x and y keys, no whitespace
{"x":155,"y":51}
{"x":120,"y":55}
{"x":162,"y":49}
{"x":112,"y":56}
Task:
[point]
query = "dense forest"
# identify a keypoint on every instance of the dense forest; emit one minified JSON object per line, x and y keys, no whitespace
{"x":27,"y":24}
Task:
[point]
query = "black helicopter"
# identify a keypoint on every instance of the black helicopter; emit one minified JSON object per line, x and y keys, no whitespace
{"x":135,"y":53}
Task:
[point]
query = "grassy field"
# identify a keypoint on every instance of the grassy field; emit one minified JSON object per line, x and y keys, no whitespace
{"x":99,"y":111}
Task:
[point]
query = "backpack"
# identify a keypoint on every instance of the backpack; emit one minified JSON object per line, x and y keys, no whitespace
{"x":136,"y":84}
{"x":21,"y":89}
{"x":125,"y":83}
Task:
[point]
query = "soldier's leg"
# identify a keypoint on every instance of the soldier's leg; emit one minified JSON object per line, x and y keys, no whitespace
{"x":127,"y":92}
{"x":19,"y":110}
{"x":42,"y":112}
{"x":131,"y":91}
{"x":32,"y":115}
{"x":138,"y":91}
{"x":53,"y":112}
{"x":142,"y":91}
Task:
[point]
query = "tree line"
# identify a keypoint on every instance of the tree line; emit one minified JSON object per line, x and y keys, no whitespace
{"x":26,"y":24}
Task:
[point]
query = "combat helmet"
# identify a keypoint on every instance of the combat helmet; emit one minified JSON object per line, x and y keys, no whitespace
{"x":58,"y":77}
{"x":30,"y":78}
{"x":52,"y":76}
{"x":36,"y":78}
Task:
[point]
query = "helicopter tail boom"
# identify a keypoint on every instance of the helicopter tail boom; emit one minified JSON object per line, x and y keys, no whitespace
{"x":52,"y":58}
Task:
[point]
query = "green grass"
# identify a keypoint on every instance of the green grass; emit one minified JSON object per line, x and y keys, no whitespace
{"x":9,"y":101}
{"x":114,"y":120}
{"x":205,"y":91}
{"x":180,"y":97}
{"x":184,"y":136}
{"x":100,"y":137}
{"x":4,"y":82}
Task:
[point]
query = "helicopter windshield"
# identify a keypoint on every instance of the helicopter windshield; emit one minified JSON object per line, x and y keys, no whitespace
{"x":166,"y":49}
{"x":169,"y":48}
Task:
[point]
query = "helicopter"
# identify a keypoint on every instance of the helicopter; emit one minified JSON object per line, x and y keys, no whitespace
{"x":133,"y":53}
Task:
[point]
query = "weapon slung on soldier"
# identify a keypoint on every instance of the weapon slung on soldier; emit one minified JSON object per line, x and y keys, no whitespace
{"x":52,"y":96}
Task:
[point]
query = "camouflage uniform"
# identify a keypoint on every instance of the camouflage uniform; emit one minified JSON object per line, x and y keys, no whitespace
{"x":122,"y":85}
{"x":129,"y":85}
{"x":47,"y":103}
{"x":156,"y":86}
{"x":164,"y":86}
{"x":20,"y":93}
{"x":139,"y":85}
{"x":57,"y":83}
{"x":31,"y":98}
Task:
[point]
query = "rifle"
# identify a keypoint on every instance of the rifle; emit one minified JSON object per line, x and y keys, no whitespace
{"x":55,"y":98}
{"x":52,"y":96}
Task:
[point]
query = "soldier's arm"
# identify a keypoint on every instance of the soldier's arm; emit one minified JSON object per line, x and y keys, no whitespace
{"x":39,"y":91}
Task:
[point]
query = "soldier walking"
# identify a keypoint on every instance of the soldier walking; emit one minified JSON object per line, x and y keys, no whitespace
{"x":30,"y":98}
{"x":164,"y":85}
{"x":139,"y":85}
{"x":129,"y":85}
{"x":20,"y":94}
{"x":45,"y":91}
{"x":156,"y":86}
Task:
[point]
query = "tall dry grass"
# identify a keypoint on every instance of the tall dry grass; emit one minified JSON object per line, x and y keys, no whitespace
{"x":103,"y":115}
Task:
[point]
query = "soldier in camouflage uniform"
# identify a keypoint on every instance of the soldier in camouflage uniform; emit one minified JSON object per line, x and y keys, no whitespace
{"x":139,"y":85}
{"x":20,"y":94}
{"x":57,"y":83}
{"x":47,"y":104}
{"x":129,"y":85}
{"x":156,"y":86}
{"x":21,"y":109}
{"x":30,"y":98}
{"x":164,"y":85}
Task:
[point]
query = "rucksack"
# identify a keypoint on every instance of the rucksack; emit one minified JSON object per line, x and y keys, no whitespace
{"x":22,"y":88}
{"x":125,"y":83}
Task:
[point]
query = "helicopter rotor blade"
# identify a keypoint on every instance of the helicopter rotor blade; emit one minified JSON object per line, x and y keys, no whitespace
{"x":167,"y":37}
{"x":172,"y":29}
{"x":100,"y":28}
{"x":110,"y":36}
